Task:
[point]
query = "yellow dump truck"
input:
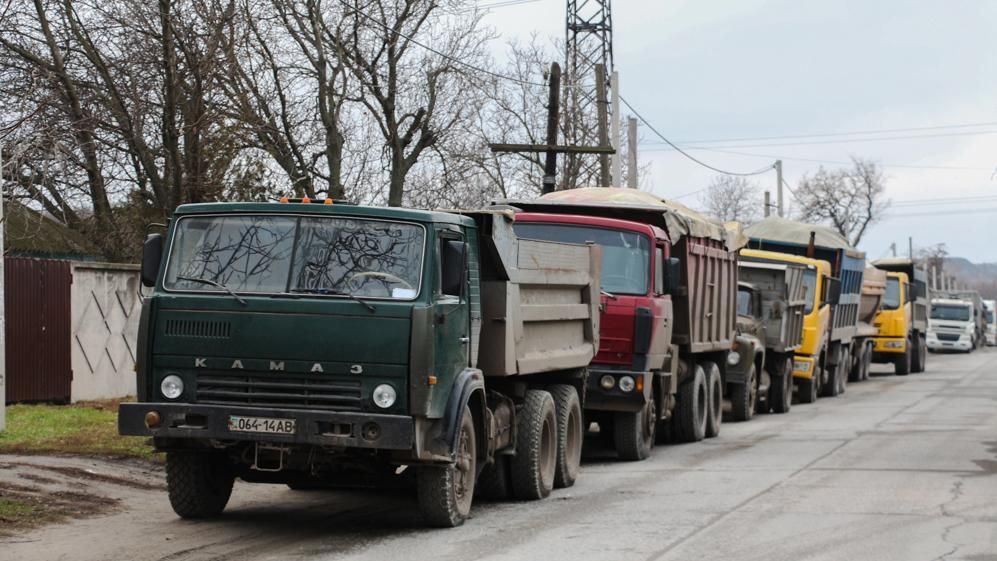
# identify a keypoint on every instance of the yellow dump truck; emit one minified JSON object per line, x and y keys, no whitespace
{"x":896,"y":343}
{"x":809,"y":362}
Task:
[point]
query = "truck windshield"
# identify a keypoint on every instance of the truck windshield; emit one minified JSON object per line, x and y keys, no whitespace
{"x":950,"y":312}
{"x":891,"y":301}
{"x":990,"y":316}
{"x":297,"y":254}
{"x":625,"y":255}
{"x":810,"y":284}
{"x":743,"y":302}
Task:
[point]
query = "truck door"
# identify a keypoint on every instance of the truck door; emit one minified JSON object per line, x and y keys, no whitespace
{"x":450,"y":308}
{"x":661,"y":311}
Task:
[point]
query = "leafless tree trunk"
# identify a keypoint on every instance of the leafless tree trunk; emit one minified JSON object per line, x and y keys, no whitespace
{"x":730,"y":198}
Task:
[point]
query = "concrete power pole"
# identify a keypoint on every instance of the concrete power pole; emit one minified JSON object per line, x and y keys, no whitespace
{"x":632,"y":152}
{"x":778,"y":182}
{"x":602,"y":107}
{"x":614,"y":129}
{"x":893,"y":248}
{"x":768,"y":202}
{"x":3,"y":323}
{"x":910,"y":247}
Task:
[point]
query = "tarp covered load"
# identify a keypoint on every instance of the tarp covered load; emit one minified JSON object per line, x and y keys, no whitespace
{"x":675,"y":218}
{"x":777,"y":229}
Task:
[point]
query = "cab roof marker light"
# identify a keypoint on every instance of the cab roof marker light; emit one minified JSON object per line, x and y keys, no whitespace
{"x":327,"y":202}
{"x":283,"y":200}
{"x":305,"y":199}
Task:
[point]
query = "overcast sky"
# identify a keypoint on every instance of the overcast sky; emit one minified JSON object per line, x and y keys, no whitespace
{"x":707,"y":70}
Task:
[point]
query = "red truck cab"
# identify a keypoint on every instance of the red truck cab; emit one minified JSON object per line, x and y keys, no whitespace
{"x":635,"y":319}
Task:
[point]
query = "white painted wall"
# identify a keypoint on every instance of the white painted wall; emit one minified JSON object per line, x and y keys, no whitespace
{"x":105,"y":316}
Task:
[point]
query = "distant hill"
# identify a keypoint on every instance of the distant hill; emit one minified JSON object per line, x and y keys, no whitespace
{"x":981,"y":276}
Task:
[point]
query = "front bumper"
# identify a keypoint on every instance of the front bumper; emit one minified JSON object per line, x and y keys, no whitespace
{"x":964,"y":343}
{"x":891,"y":345}
{"x":803,"y":367}
{"x":991,"y":339}
{"x":615,"y":399}
{"x":325,"y":428}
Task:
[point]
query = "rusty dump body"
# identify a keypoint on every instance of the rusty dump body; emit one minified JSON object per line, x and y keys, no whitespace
{"x":705,"y":308}
{"x":873,"y":290}
{"x":782,"y":296}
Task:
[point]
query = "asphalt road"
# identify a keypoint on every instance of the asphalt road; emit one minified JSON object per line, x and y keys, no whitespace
{"x":896,"y":469}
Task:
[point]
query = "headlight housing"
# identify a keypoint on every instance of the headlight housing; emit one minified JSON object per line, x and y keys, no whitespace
{"x":171,"y":387}
{"x":607,"y":382}
{"x":733,"y":358}
{"x":627,"y":383}
{"x":384,"y":396}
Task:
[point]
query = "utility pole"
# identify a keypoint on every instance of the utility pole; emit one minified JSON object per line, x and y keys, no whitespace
{"x":553,"y":113}
{"x":910,"y":248}
{"x":614,"y":129}
{"x":778,"y":182}
{"x":602,"y":106}
{"x":3,"y":310}
{"x":768,"y":202}
{"x":632,"y":152}
{"x":893,"y":248}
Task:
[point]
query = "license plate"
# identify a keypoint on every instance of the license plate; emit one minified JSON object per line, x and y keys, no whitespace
{"x":260,"y":424}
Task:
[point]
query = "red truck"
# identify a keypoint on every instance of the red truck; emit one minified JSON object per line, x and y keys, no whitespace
{"x":669,"y":284}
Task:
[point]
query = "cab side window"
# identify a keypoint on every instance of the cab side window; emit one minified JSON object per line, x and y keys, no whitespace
{"x":659,"y":270}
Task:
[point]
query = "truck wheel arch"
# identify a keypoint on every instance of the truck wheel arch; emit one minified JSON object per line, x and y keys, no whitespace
{"x":468,"y":390}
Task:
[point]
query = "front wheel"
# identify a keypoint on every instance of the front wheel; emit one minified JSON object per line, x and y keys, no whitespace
{"x":635,"y":432}
{"x":743,"y":398}
{"x":781,"y":392}
{"x":901,"y":364}
{"x":445,"y":492}
{"x":199,"y":482}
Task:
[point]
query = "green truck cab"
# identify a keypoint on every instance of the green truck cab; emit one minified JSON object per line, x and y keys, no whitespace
{"x":310,"y":343}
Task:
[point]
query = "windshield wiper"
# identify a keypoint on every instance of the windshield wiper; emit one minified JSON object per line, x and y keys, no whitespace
{"x":215,"y":284}
{"x":607,"y":294}
{"x":332,"y":292}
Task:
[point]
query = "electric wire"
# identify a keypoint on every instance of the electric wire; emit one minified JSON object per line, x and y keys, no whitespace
{"x":845,"y":133}
{"x":636,"y":113}
{"x":657,"y":147}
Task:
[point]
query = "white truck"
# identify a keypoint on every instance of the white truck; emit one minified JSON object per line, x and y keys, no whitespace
{"x":991,"y":316}
{"x":951,"y":325}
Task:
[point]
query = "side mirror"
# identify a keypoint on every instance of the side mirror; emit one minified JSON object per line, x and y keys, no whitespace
{"x":673,"y":276}
{"x":152,"y":255}
{"x":453,"y":257}
{"x":832,"y":291}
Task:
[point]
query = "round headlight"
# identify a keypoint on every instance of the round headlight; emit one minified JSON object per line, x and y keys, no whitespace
{"x":733,"y":358}
{"x":384,"y":396}
{"x":607,"y":382}
{"x":171,"y":386}
{"x":627,"y":383}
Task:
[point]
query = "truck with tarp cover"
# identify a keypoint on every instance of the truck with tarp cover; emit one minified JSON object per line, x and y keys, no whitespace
{"x":771,"y":299}
{"x":873,"y":294}
{"x":313,"y":343}
{"x":669,"y":289}
{"x":844,"y":293}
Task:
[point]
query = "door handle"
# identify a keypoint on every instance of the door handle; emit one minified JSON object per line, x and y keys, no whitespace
{"x":464,"y":340}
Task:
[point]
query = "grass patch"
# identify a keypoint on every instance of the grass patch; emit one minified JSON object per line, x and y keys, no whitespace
{"x":23,"y":507}
{"x":89,"y":429}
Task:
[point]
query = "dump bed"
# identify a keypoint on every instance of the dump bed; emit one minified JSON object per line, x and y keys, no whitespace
{"x":539,"y":302}
{"x":873,"y":291}
{"x":847,"y":263}
{"x":783,"y":297}
{"x":705,"y":309}
{"x":920,"y":299}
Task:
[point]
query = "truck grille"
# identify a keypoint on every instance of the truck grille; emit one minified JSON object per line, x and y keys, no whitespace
{"x":947,"y":336}
{"x":295,"y":391}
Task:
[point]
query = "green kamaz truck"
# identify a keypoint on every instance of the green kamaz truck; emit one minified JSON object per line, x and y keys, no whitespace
{"x":311,"y":343}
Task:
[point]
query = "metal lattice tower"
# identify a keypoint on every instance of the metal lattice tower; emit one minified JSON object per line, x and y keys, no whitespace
{"x":588,"y":43}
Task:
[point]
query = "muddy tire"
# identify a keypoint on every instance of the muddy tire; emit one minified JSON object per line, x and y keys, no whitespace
{"x":901,"y":364}
{"x":781,"y":392}
{"x":808,"y":387}
{"x":689,"y":422}
{"x":744,"y":397}
{"x":535,"y":461}
{"x":918,"y":360}
{"x":199,"y":482}
{"x":844,"y":365}
{"x":445,"y":492}
{"x":866,"y":361}
{"x":570,"y":434}
{"x":715,"y":387}
{"x":636,"y":432}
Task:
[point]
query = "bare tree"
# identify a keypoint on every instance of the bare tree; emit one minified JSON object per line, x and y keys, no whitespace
{"x":848,"y":199}
{"x":731,"y":198}
{"x":933,"y":257}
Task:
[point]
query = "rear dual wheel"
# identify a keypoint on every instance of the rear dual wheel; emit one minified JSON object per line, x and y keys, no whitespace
{"x":535,"y":463}
{"x":781,"y":391}
{"x":692,"y":409}
{"x":744,"y":397}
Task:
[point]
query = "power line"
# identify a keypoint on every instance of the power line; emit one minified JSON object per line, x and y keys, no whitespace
{"x":827,"y":134}
{"x":837,"y":162}
{"x":687,"y":155}
{"x":986,"y":210}
{"x":946,"y":200}
{"x":842,"y":141}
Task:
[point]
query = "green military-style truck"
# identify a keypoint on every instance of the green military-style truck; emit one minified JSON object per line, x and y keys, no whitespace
{"x":310,"y":343}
